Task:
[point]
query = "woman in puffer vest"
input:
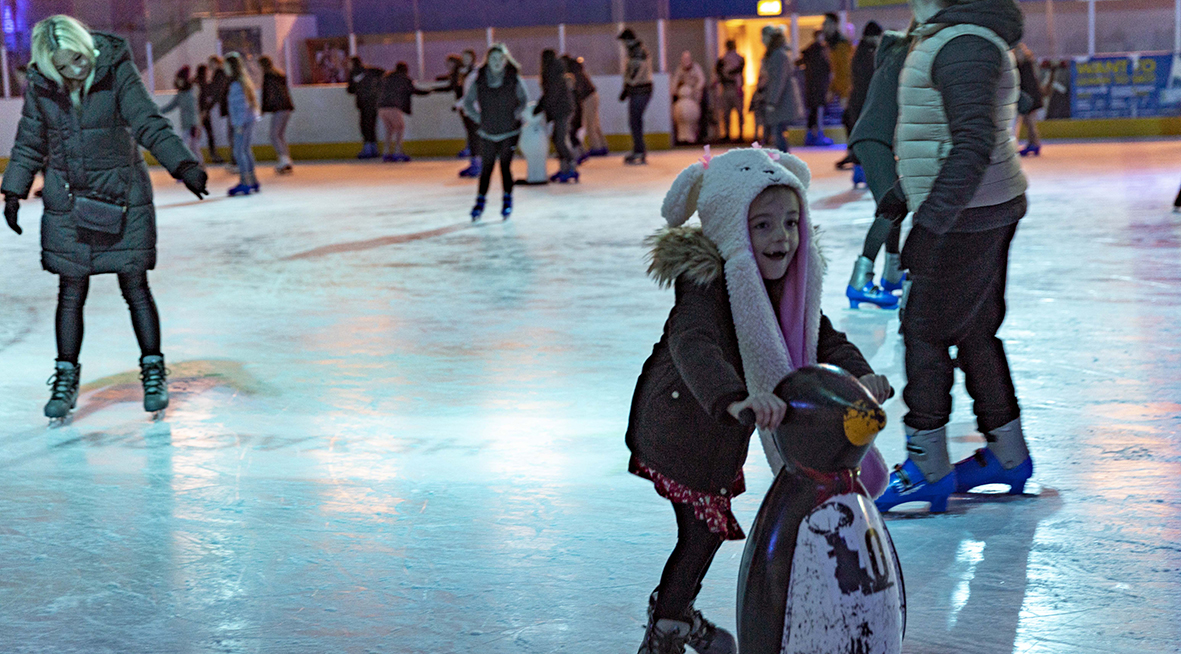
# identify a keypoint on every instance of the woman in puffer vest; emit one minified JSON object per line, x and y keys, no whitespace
{"x":86,"y":111}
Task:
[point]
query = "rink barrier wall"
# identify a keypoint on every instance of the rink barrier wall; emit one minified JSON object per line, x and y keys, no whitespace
{"x":325,"y":125}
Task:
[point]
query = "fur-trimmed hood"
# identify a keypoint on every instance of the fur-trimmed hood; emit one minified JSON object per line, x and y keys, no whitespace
{"x":720,"y":190}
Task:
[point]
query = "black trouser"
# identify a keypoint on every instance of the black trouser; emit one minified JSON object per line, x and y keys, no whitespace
{"x":637,"y":102}
{"x":72,"y":292}
{"x":369,"y":122}
{"x":959,"y":299}
{"x":883,"y":230}
{"x":561,"y":140}
{"x":492,"y":152}
{"x":207,"y":123}
{"x":576,"y":124}
{"x":814,"y":115}
{"x":687,"y":565}
{"x":473,"y":135}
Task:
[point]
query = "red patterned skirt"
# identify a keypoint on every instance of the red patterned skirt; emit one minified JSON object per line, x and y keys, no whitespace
{"x":713,"y":509}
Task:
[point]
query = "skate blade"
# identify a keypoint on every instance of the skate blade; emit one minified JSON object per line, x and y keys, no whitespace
{"x":58,"y":423}
{"x":159,"y":416}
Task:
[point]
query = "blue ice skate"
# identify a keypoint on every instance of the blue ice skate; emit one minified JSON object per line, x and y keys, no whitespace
{"x":473,"y":170}
{"x":984,"y":468}
{"x":907,"y":484}
{"x":240,"y":189}
{"x":862,"y":289}
{"x":859,"y":176}
{"x":506,"y":207}
{"x":478,"y":209}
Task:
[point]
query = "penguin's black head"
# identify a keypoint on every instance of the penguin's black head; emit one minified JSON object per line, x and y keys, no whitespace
{"x":831,"y":419}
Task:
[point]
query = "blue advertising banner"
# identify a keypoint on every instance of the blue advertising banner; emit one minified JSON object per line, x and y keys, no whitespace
{"x":1128,"y":86}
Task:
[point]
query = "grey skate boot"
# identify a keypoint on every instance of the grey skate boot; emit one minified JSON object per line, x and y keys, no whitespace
{"x":64,"y":395}
{"x":155,"y":380}
{"x":704,"y":637}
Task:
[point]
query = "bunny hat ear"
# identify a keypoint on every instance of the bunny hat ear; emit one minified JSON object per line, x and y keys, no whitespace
{"x":681,"y":200}
{"x":795,"y":166}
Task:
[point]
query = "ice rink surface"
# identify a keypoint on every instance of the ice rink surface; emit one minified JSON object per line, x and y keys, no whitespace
{"x":394,"y":432}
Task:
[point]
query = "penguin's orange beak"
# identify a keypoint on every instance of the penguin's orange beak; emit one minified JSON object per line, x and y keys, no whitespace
{"x":863,"y":422}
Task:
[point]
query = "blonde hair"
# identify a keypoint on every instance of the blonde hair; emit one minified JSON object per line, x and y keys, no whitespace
{"x":63,"y":32}
{"x":238,"y":74}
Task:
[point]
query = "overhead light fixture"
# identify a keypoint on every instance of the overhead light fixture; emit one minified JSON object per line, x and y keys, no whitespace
{"x":770,"y":7}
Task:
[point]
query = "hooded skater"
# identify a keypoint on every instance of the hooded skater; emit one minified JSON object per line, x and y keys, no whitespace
{"x":637,"y":91}
{"x":746,"y":314}
{"x":276,"y":101}
{"x":86,"y":103}
{"x":497,"y":101}
{"x":365,"y":86}
{"x":557,"y":102}
{"x":871,"y":144}
{"x":957,"y":95}
{"x":185,"y":103}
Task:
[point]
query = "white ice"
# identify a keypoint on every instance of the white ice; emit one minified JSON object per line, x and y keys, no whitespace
{"x":393,"y":432}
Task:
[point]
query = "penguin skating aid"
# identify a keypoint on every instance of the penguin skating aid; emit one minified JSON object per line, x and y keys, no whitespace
{"x":819,"y":573}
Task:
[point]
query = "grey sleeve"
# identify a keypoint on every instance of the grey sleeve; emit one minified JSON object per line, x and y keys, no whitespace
{"x":469,"y":103}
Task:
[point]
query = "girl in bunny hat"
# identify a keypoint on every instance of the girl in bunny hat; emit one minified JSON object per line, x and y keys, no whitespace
{"x":747,"y":314}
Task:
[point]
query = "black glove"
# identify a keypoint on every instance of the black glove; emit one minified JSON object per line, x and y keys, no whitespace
{"x":892,"y":206}
{"x":919,"y":251}
{"x":623,"y":94}
{"x":537,"y":110}
{"x":12,"y":204}
{"x":195,"y":177}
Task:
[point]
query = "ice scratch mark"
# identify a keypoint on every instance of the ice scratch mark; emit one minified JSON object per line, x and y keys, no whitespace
{"x":356,"y":246}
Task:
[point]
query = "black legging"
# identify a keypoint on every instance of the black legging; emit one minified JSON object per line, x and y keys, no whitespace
{"x":207,"y":123}
{"x":687,"y":565}
{"x":71,"y":298}
{"x":561,"y":139}
{"x":369,"y":121}
{"x":490,"y":153}
{"x":814,"y":115}
{"x":883,"y":230}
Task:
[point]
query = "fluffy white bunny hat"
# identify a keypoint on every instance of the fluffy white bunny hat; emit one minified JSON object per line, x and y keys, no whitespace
{"x":720,"y":190}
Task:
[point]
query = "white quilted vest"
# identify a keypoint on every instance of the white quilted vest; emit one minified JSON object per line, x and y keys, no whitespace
{"x":922,"y":138}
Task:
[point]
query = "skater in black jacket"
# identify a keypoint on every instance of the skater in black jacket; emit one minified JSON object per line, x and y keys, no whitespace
{"x":497,"y":101}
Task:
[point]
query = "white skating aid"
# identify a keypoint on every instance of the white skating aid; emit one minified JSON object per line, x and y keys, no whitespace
{"x":534,"y":145}
{"x":845,"y":583}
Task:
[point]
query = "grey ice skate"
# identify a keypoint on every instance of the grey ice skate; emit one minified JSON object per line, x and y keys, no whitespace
{"x":64,"y":394}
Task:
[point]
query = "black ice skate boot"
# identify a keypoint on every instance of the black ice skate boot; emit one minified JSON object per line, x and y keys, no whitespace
{"x":155,"y":380}
{"x":704,"y":637}
{"x":64,"y":395}
{"x":478,"y":209}
{"x":1177,"y":203}
{"x":506,"y":206}
{"x":665,"y":637}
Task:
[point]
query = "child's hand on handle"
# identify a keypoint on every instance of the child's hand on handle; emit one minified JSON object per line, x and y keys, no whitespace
{"x":878,"y":386}
{"x":768,"y":410}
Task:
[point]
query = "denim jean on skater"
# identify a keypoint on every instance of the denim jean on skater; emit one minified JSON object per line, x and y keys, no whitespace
{"x":637,"y":102}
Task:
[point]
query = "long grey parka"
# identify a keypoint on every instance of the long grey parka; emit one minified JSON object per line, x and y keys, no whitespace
{"x":92,"y":151}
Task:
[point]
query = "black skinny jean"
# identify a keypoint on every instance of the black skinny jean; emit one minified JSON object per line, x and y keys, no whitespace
{"x":492,"y":152}
{"x":369,"y":122}
{"x":958,"y":298}
{"x":687,"y":565}
{"x":561,"y":139}
{"x":72,"y":292}
{"x":637,"y":103}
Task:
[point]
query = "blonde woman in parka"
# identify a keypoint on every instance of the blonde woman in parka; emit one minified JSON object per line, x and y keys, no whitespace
{"x":86,"y":113}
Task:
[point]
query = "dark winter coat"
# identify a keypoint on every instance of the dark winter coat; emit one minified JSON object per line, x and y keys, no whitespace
{"x":1030,"y":85}
{"x":275,"y":94}
{"x":365,"y":84}
{"x":396,"y":91}
{"x":93,"y":152}
{"x":557,"y":100}
{"x":679,"y":424}
{"x":216,"y":93}
{"x":817,"y":74}
{"x":872,"y":139}
{"x":863,"y":65}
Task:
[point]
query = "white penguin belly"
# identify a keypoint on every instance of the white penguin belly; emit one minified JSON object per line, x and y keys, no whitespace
{"x":845,"y":593}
